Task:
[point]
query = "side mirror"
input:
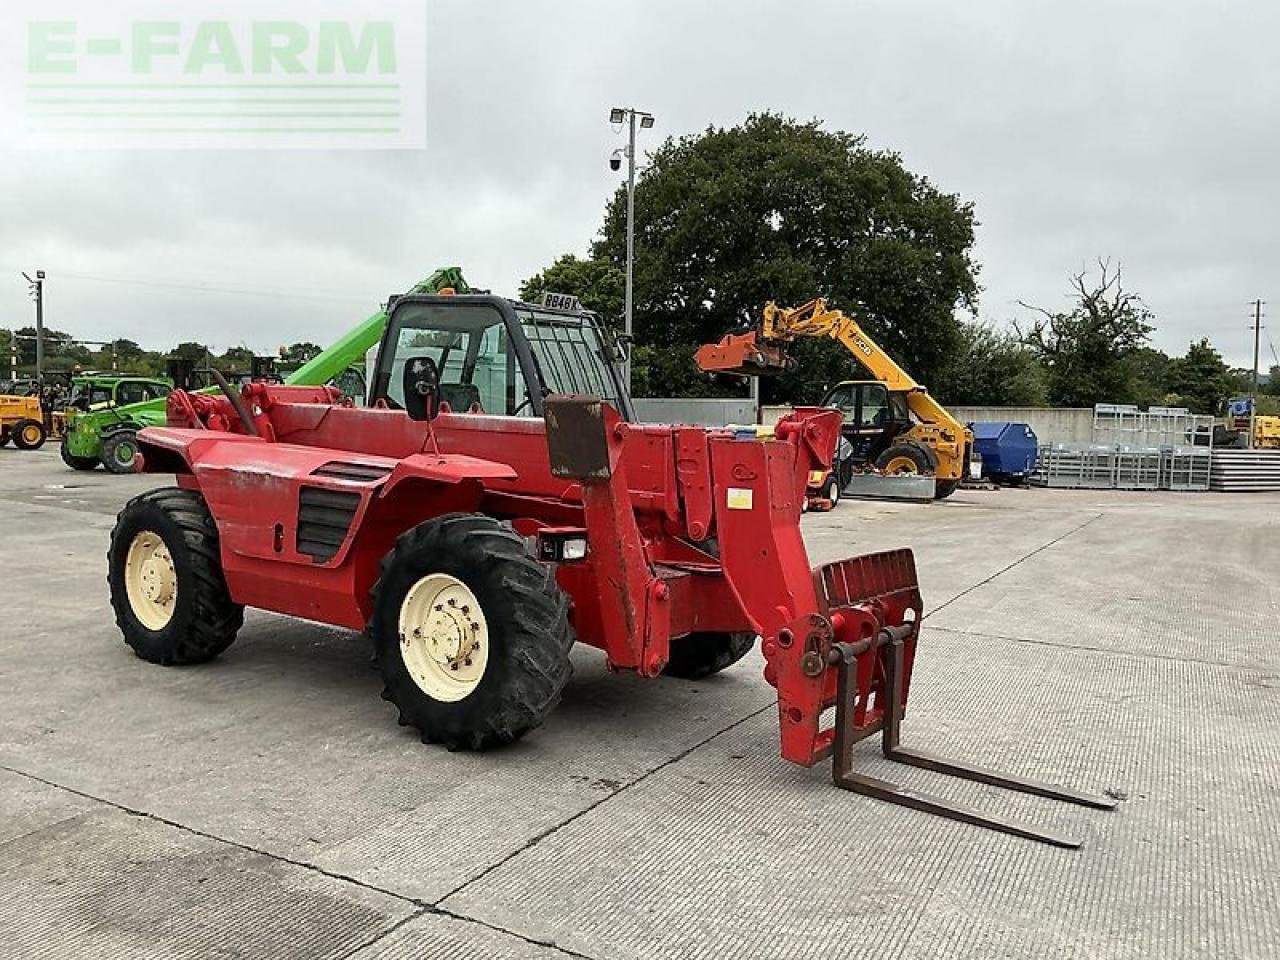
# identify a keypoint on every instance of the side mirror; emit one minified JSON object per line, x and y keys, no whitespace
{"x":421,"y":381}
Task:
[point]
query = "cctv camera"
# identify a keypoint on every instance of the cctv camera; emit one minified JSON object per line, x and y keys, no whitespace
{"x":615,"y":160}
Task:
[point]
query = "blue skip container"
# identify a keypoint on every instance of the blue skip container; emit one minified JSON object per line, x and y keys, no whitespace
{"x":1009,"y":451}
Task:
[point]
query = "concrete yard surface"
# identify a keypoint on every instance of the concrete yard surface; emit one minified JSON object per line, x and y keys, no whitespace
{"x":268,"y":805}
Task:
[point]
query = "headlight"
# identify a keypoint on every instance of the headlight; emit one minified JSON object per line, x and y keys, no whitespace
{"x":562,"y":545}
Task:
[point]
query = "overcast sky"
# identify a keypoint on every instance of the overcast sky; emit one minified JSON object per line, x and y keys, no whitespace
{"x":1142,"y":131}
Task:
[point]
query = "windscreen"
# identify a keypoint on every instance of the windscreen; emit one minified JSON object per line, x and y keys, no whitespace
{"x":469,"y":345}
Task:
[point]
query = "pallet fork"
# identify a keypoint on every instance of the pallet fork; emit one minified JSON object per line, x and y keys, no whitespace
{"x":889,"y":646}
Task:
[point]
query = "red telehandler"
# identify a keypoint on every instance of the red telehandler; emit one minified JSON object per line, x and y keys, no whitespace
{"x":496,"y":504}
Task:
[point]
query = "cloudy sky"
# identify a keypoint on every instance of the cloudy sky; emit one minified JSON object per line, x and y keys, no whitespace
{"x":1142,"y":131}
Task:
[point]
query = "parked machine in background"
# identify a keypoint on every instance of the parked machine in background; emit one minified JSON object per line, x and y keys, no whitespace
{"x":1009,"y":451}
{"x":22,"y":421}
{"x":894,"y":428}
{"x":1241,"y":429}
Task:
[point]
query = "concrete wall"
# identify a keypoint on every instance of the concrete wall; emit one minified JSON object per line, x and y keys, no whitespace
{"x":1051,"y":424}
{"x":703,"y":413}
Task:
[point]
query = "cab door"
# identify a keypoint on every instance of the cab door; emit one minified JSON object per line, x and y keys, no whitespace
{"x":871,"y":419}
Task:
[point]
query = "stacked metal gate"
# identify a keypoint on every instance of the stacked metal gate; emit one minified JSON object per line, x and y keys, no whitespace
{"x":1133,"y":449}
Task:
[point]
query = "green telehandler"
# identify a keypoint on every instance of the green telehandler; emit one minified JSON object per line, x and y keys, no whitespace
{"x":109,"y":436}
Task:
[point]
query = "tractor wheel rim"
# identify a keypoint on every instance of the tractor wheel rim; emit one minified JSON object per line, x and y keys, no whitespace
{"x":444,"y":637}
{"x":901,"y":465}
{"x":31,"y":434}
{"x":150,"y":581}
{"x":124,"y":453}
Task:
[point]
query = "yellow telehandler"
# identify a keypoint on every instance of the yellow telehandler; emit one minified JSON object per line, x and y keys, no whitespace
{"x":891,"y":424}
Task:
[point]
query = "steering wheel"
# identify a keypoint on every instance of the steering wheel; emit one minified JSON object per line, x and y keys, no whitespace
{"x":528,"y":401}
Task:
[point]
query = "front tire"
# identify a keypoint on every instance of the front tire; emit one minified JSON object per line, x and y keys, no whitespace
{"x":699,"y":655}
{"x":905,"y":459}
{"x":165,"y":571}
{"x":471,"y":634}
{"x":77,"y":463}
{"x":29,"y":435}
{"x":118,"y":452}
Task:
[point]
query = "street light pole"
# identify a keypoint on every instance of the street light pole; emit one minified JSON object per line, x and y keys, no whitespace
{"x":645,"y":121}
{"x":37,"y":291}
{"x":631,"y":242}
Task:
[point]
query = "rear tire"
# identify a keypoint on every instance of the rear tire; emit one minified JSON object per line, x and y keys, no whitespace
{"x":699,"y":655}
{"x":29,"y":434}
{"x":170,"y":530}
{"x":77,"y":463}
{"x":4,"y":437}
{"x":470,"y":677}
{"x":118,"y":452}
{"x":945,"y":488}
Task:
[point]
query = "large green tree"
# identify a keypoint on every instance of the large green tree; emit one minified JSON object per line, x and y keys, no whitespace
{"x":1090,"y":352}
{"x":775,"y":209}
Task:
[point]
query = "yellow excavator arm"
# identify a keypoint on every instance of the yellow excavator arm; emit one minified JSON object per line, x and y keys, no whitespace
{"x":816,"y":319}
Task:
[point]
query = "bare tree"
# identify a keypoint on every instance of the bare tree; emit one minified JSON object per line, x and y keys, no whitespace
{"x":1089,"y":350}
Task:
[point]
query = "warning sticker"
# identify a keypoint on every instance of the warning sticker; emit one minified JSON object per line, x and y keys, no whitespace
{"x":739,"y":498}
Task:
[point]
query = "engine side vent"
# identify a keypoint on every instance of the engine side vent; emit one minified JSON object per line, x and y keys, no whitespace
{"x":359,"y":472}
{"x":324,"y":517}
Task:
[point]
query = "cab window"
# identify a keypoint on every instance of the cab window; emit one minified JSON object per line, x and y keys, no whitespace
{"x":875,"y":411}
{"x":127,"y":393}
{"x":470,"y":348}
{"x":843,"y":399}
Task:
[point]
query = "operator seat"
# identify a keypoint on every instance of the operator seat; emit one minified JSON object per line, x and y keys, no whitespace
{"x":461,"y":397}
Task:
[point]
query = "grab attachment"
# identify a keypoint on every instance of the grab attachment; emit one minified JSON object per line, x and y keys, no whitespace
{"x":890,"y":644}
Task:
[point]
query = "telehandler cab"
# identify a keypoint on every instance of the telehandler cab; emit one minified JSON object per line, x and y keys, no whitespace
{"x":495,"y":505}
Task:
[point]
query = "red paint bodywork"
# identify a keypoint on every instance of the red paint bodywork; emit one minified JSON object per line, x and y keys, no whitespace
{"x":688,"y":529}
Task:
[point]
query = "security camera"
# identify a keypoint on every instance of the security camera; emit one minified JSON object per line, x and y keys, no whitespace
{"x":615,"y":160}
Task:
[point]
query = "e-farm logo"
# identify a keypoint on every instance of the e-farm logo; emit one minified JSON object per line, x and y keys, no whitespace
{"x":272,"y":73}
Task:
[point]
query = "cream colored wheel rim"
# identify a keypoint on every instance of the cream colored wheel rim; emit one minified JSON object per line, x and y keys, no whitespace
{"x":150,"y":582}
{"x":444,"y":639}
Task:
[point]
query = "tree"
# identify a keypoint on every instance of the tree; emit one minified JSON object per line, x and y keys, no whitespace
{"x":236,"y":360}
{"x":300,"y":353}
{"x":57,"y":345}
{"x":775,"y":209}
{"x":993,"y":368}
{"x":1090,"y":352}
{"x":1151,"y":373}
{"x":600,"y":286}
{"x":1201,"y":380}
{"x":1272,"y":386}
{"x":193,"y":354}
